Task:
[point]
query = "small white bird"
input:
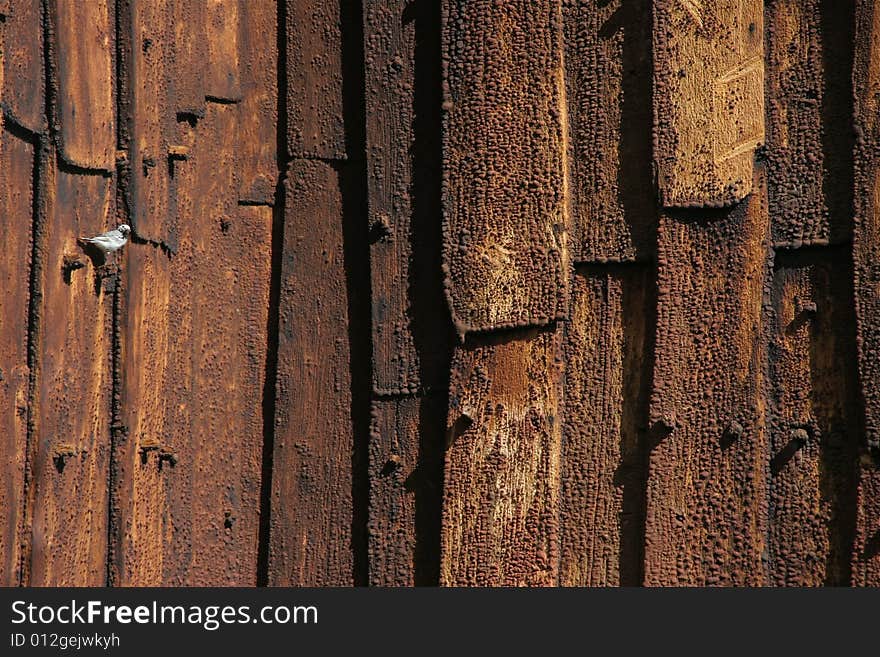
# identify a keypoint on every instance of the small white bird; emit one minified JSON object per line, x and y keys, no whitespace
{"x":111,"y":241}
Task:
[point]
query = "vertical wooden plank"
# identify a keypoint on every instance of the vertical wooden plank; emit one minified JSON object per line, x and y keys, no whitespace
{"x":24,"y":99}
{"x":389,"y":44}
{"x":608,"y":89}
{"x":504,"y":182}
{"x":812,"y":427}
{"x":795,"y":93}
{"x":314,"y":79}
{"x":310,"y":534}
{"x":16,"y":205}
{"x":143,"y":474}
{"x":222,"y":81}
{"x":405,"y":491}
{"x":84,"y":93}
{"x":190,"y":55}
{"x":72,"y":452}
{"x":707,"y":489}
{"x":149,"y":183}
{"x":866,"y":247}
{"x":258,"y":111}
{"x":216,"y":440}
{"x":606,"y":406}
{"x":502,"y":478}
{"x":708,"y":99}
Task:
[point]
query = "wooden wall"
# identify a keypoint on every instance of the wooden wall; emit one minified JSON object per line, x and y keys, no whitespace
{"x":419,"y":292}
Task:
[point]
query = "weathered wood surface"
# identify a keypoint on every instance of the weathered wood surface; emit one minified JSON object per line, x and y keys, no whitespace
{"x":707,"y":488}
{"x":606,"y":388}
{"x":666,"y":367}
{"x":708,"y":99}
{"x":83,"y":60}
{"x":795,"y":95}
{"x":866,"y":249}
{"x":502,"y":479}
{"x":608,"y":90}
{"x":24,"y":90}
{"x":313,"y":34}
{"x":70,"y":443}
{"x":505,"y":184}
{"x":310,"y":539}
{"x":812,"y":423}
{"x":258,"y":111}
{"x":16,"y":204}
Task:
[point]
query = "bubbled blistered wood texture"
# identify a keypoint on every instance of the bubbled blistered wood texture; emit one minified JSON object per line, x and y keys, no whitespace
{"x":708,"y":99}
{"x":440,"y":292}
{"x":505,"y":184}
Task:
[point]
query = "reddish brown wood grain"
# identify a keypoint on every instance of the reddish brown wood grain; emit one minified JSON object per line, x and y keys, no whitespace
{"x":389,"y":43}
{"x":866,"y":243}
{"x":707,"y":487}
{"x":795,"y":94}
{"x":606,"y":406}
{"x":71,"y":441}
{"x":405,"y":491}
{"x":222,"y":79}
{"x":310,"y":538}
{"x":223,"y":266}
{"x":258,"y":110}
{"x":313,"y":32}
{"x":502,"y":477}
{"x":148,"y":38}
{"x":16,"y":205}
{"x":812,"y":424}
{"x":504,"y":179}
{"x":190,"y":52}
{"x":83,"y":54}
{"x":608,"y":90}
{"x":24,"y":98}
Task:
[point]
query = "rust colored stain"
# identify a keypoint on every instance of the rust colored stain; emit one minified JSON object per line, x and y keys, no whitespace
{"x":501,"y":485}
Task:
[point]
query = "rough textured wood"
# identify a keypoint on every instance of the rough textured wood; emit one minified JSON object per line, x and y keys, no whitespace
{"x":866,"y":249}
{"x":217,"y":423}
{"x":24,"y":99}
{"x":504,"y":176}
{"x":141,"y":529}
{"x":258,"y":111}
{"x":608,"y":88}
{"x":16,"y":206}
{"x":606,"y":408}
{"x":795,"y":93}
{"x":389,"y":46}
{"x":310,"y":541}
{"x":708,"y":99}
{"x":707,"y":489}
{"x":190,"y":53}
{"x":502,"y":476}
{"x":222,"y":80}
{"x":84,"y":92}
{"x":405,"y":495}
{"x":151,"y":49}
{"x":813,"y":433}
{"x":314,"y":79}
{"x":68,"y":535}
{"x":403,"y":152}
